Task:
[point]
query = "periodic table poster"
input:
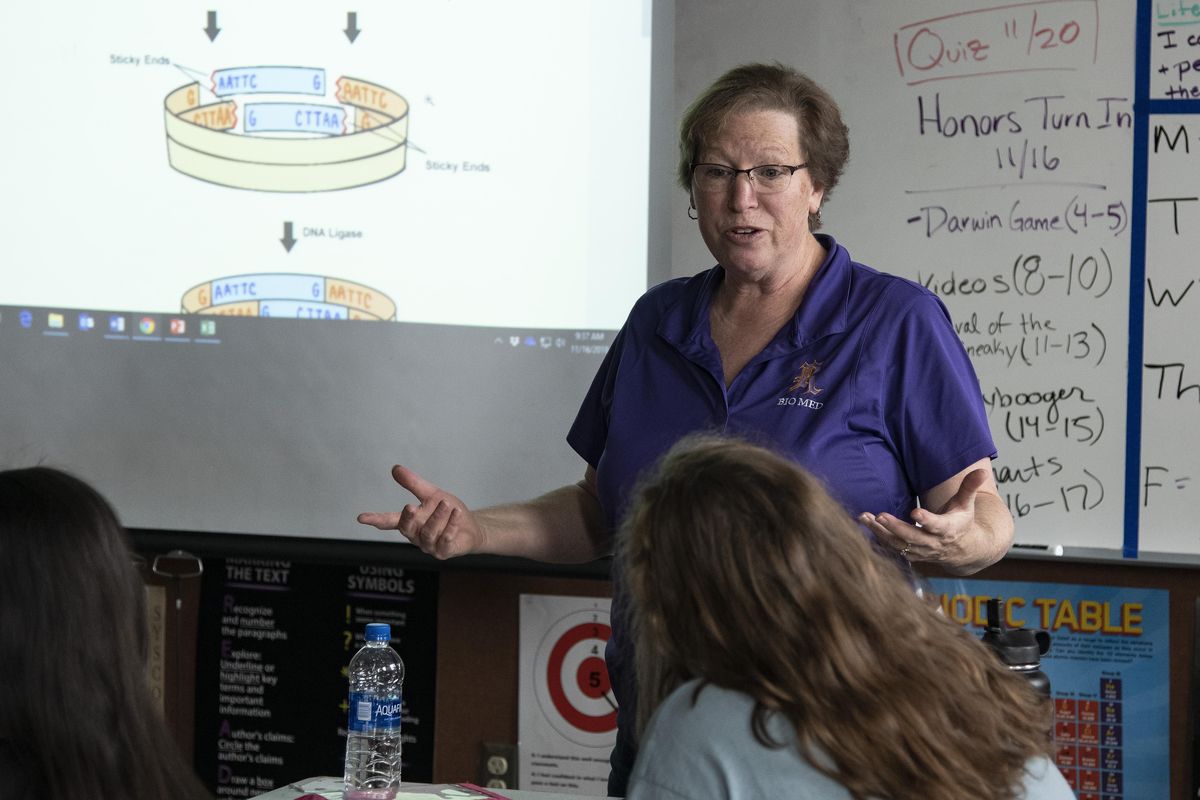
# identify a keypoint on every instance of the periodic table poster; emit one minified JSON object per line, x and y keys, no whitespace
{"x":1109,"y":671}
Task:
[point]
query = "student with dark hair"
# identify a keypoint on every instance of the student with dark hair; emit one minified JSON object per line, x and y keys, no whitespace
{"x":777,"y":656}
{"x":77,"y":718}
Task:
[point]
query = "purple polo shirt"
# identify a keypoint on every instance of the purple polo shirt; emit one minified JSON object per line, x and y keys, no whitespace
{"x":868,"y":387}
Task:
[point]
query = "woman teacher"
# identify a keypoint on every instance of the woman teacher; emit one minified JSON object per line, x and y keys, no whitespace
{"x":855,"y":374}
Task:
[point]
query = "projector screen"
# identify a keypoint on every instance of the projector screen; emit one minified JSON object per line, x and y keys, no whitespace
{"x":255,"y":256}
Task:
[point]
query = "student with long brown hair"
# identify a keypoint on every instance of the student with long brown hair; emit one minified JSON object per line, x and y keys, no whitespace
{"x":77,"y":717}
{"x":781,"y":657}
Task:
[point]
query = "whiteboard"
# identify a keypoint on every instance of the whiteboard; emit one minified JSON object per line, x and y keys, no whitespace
{"x":1171,"y":356}
{"x":991,"y":160}
{"x":1170,"y":373}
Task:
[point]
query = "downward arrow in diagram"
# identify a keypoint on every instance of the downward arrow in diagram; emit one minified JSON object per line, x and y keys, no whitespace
{"x":352,"y":29}
{"x":212,"y":30}
{"x":288,"y":240}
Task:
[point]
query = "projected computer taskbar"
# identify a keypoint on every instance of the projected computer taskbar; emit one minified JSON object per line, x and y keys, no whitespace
{"x":208,"y":329}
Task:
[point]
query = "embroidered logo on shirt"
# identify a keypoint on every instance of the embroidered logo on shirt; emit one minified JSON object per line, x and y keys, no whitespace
{"x":805,"y":379}
{"x":803,"y":383}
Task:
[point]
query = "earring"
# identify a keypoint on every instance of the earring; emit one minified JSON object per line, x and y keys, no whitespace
{"x":692,"y":213}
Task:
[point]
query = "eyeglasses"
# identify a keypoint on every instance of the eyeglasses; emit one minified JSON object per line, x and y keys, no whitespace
{"x":765,"y":178}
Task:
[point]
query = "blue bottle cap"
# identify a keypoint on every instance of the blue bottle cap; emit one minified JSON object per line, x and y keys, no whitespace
{"x":379,"y":632}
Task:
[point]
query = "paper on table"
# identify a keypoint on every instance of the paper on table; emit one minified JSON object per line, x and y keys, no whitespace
{"x":331,"y":788}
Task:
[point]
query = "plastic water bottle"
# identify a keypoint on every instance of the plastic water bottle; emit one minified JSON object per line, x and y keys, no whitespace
{"x":373,"y":730}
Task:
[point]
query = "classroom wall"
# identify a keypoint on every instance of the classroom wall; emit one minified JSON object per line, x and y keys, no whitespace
{"x":477,"y":633}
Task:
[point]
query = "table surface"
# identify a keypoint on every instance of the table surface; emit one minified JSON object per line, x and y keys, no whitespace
{"x":330,"y":788}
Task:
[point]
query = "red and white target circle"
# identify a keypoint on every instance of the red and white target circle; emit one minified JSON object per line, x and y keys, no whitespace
{"x":571,"y":682}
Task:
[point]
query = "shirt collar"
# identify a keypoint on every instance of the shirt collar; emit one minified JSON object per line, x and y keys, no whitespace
{"x":822,"y":312}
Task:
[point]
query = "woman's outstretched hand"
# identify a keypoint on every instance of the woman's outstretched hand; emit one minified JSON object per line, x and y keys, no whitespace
{"x":438,"y":523}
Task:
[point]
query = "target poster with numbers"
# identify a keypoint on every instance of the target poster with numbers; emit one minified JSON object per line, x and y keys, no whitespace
{"x":568,"y":714}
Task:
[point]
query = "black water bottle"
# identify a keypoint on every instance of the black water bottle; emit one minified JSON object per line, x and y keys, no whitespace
{"x":1021,"y":650}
